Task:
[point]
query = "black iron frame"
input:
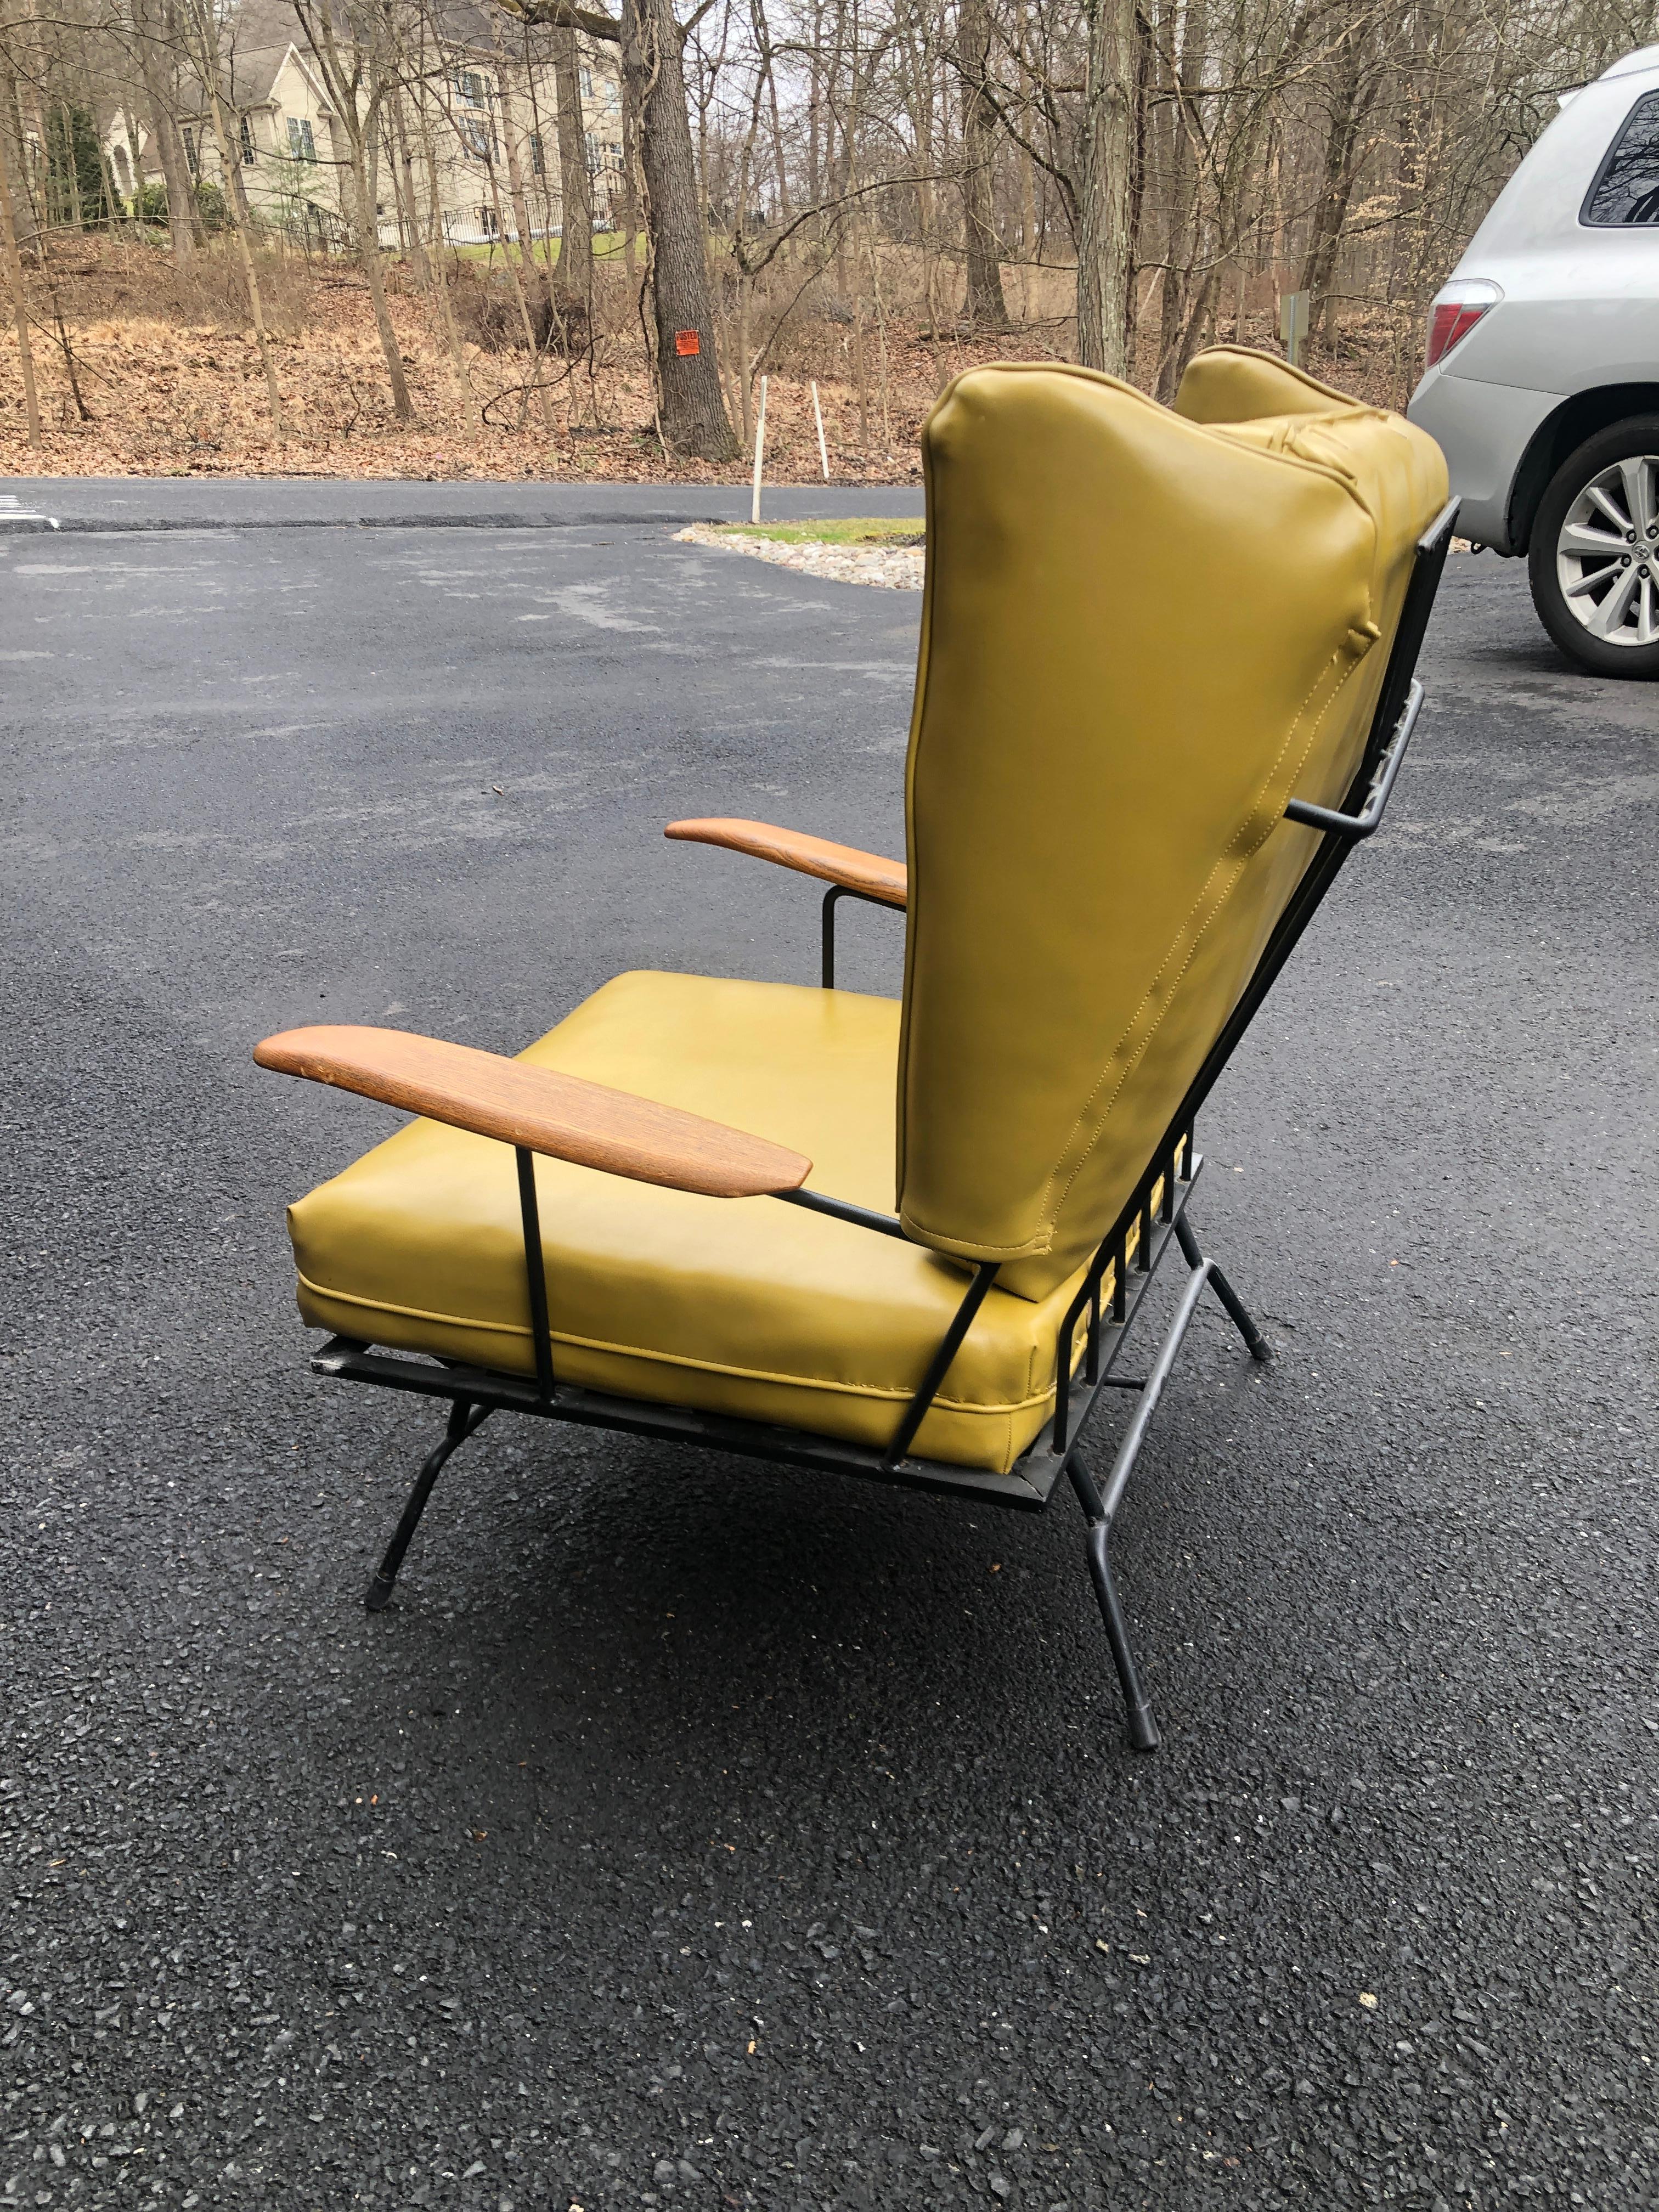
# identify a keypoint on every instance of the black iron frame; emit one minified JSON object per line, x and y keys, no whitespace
{"x":1153,"y":1219}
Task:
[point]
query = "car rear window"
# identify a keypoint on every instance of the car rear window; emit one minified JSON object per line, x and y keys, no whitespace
{"x":1626,"y":189}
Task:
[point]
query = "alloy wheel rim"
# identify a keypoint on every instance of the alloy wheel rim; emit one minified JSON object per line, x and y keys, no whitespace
{"x":1606,"y":557}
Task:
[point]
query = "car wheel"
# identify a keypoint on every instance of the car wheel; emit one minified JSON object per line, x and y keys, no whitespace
{"x":1594,"y":560}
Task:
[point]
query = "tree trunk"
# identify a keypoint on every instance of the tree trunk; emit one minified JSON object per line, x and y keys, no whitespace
{"x":692,"y":407}
{"x":630,"y":182}
{"x":574,"y":274}
{"x":164,"y":135}
{"x":514,"y":270}
{"x":770,"y":83}
{"x":25,"y":230}
{"x":20,"y":305}
{"x":106,"y":171}
{"x":1188,"y":78}
{"x":237,"y":198}
{"x":535,"y":276}
{"x":135,"y":138}
{"x":183,"y":216}
{"x":986,"y":307}
{"x":409,"y":199}
{"x":1145,"y":70}
{"x":367,"y":236}
{"x":1029,"y":251}
{"x":439,"y":274}
{"x":1105,"y":159}
{"x":859,"y":369}
{"x":1335,"y":187}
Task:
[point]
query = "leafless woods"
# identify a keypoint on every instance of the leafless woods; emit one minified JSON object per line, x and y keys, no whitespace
{"x":744,"y":183}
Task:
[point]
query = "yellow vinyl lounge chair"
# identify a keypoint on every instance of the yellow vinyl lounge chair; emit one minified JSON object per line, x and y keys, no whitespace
{"x":1165,"y":682}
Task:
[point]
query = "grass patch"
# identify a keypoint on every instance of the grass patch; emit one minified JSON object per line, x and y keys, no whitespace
{"x":855,"y":529}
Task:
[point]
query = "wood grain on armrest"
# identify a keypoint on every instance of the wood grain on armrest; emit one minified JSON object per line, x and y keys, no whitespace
{"x":886,"y":880}
{"x":563,"y":1115}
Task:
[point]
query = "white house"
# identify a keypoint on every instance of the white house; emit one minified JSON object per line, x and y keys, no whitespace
{"x":469,"y":133}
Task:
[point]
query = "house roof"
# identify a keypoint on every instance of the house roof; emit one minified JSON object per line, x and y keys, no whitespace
{"x":258,"y":36}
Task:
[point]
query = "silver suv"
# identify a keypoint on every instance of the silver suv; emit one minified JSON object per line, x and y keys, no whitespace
{"x":1543,"y":372}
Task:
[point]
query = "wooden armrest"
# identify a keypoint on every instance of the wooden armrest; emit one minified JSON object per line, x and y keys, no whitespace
{"x":563,"y":1115}
{"x":885,"y":880}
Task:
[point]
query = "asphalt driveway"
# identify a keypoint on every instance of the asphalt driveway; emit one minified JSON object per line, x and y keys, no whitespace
{"x":701,"y":1834}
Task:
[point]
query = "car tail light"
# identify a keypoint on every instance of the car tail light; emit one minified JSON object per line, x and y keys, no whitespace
{"x":1454,"y":315}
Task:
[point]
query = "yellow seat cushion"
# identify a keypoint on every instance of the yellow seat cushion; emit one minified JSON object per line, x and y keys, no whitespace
{"x":747,"y":1307}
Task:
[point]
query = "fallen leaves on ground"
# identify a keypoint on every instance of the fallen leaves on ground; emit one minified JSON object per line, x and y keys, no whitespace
{"x":171,"y":382}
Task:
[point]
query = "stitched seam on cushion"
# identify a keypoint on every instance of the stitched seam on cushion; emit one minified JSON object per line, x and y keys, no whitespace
{"x":1217,"y":900}
{"x":894,"y":1392}
{"x":960,"y":1248}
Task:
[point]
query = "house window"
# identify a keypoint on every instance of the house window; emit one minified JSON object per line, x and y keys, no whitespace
{"x":538,"y":158}
{"x":487,"y":222}
{"x":477,"y":136}
{"x":193,"y":158}
{"x":469,"y":88}
{"x":302,"y":144}
{"x":245,"y":132}
{"x":587,"y":84}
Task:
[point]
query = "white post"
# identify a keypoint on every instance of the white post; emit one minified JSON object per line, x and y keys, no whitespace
{"x":760,"y":449}
{"x":823,"y":450}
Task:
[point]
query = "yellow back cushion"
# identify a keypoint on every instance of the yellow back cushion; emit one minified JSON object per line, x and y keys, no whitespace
{"x":1141,"y":635}
{"x":1231,"y":383}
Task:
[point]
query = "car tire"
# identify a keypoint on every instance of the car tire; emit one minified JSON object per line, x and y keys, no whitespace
{"x":1611,"y":631}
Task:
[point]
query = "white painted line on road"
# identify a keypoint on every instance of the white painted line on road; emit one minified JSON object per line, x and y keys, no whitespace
{"x":15,"y":516}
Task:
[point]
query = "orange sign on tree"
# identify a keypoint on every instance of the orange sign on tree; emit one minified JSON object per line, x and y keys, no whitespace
{"x":687,"y":342}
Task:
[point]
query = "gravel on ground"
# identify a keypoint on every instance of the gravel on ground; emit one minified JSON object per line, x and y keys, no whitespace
{"x":895,"y":568}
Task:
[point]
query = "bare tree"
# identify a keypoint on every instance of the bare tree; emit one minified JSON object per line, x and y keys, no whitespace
{"x":357,"y":60}
{"x":690,"y":403}
{"x":158,"y":64}
{"x":1106,"y":136}
{"x":574,"y":276}
{"x":202,"y":29}
{"x":986,"y":305}
{"x":13,"y":265}
{"x":13,"y":142}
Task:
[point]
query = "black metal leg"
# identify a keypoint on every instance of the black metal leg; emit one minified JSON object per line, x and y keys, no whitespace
{"x":1138,"y":1712}
{"x":1237,"y":1312}
{"x":465,"y":1418}
{"x":827,"y":934}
